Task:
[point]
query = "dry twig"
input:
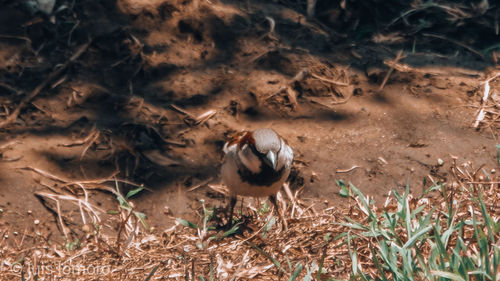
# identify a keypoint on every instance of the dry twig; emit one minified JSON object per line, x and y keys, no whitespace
{"x":398,"y":57}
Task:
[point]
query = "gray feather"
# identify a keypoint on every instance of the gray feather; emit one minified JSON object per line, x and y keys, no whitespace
{"x":266,"y":140}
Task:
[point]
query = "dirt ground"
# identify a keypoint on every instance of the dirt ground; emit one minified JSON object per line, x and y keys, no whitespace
{"x":162,"y":84}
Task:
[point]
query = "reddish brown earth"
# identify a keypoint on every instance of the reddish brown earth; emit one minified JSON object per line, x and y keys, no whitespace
{"x":201,"y":56}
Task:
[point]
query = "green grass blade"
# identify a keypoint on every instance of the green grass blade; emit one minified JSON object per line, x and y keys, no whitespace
{"x":187,"y":223}
{"x":352,"y":254}
{"x":211,"y":272}
{"x":448,"y":275}
{"x":487,"y":219}
{"x":296,"y":272}
{"x":268,"y":226}
{"x":268,"y":256}
{"x":321,"y":263}
{"x":423,"y":265}
{"x":142,"y":218}
{"x":443,"y":255}
{"x":417,"y":236}
{"x":480,"y":272}
{"x":344,"y":191}
{"x":150,"y":275}
{"x":288,"y":262}
{"x":363,"y":201}
{"x":231,"y":231}
{"x":354,"y":224}
{"x":133,"y":192}
{"x":496,"y":261}
{"x":377,"y":264}
{"x":417,"y":211}
{"x":309,"y":270}
{"x":498,"y":154}
{"x":447,"y":234}
{"x":407,"y":214}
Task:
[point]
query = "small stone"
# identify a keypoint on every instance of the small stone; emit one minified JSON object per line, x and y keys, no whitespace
{"x":440,"y":162}
{"x":314,"y":176}
{"x":86,"y":228}
{"x":493,"y":171}
{"x":36,"y":222}
{"x":167,"y":210}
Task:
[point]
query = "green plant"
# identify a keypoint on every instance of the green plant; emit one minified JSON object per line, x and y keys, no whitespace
{"x":207,"y":234}
{"x":72,"y":245}
{"x":128,"y":207}
{"x":203,"y":231}
{"x":498,"y":154}
{"x":264,"y":208}
{"x":422,"y":243}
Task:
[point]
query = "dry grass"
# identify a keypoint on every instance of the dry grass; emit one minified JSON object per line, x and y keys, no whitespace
{"x":315,"y":241}
{"x":332,"y":243}
{"x":488,"y":112}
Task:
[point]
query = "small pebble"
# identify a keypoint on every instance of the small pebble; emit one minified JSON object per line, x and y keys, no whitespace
{"x":36,"y":222}
{"x":86,"y":228}
{"x":493,"y":171}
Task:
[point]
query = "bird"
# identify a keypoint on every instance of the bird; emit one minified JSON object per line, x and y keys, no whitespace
{"x":256,"y":164}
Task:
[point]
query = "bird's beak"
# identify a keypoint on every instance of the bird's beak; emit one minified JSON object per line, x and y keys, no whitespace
{"x":271,"y":156}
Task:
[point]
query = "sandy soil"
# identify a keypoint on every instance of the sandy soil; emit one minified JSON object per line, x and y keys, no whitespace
{"x":146,"y":56}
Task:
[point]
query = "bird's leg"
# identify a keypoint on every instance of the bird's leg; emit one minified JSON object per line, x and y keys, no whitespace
{"x":241,"y":206}
{"x":231,"y":208}
{"x":272,"y":198}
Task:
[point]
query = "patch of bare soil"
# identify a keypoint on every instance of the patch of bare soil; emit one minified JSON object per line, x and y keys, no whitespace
{"x":100,"y":97}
